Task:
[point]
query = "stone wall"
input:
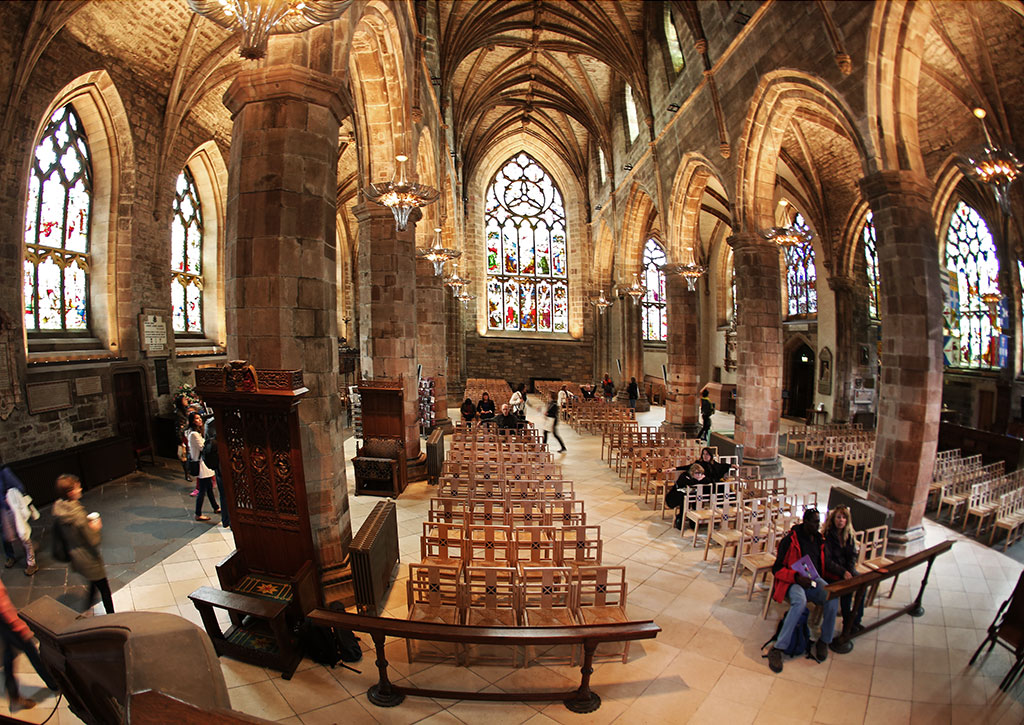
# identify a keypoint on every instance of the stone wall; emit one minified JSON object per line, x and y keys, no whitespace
{"x":520,"y":360}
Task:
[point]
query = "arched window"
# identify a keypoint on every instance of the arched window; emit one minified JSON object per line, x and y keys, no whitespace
{"x":654,"y":322}
{"x":602,"y":166}
{"x":871,"y":264}
{"x":632,"y":125}
{"x":734,"y":308}
{"x":675,"y":50}
{"x":187,"y":256}
{"x":974,"y":271}
{"x":801,"y":277}
{"x":527,"y":252}
{"x":57,"y":217}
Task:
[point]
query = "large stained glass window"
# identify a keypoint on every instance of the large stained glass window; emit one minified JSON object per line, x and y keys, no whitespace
{"x":187,"y":256}
{"x":675,"y":50}
{"x":971,"y":259}
{"x":654,"y":322}
{"x":632,"y":125}
{"x":57,"y":217}
{"x":871,"y":261}
{"x":527,"y":252}
{"x":801,"y":277}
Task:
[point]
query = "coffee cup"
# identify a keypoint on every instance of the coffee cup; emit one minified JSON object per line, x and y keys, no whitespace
{"x":93,"y":516}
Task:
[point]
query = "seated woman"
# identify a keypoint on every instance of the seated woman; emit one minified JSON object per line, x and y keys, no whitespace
{"x":674,"y":497}
{"x":714,"y":471}
{"x":841,"y":562}
{"x":485,"y":408}
{"x":518,"y":402}
{"x":468,"y":411}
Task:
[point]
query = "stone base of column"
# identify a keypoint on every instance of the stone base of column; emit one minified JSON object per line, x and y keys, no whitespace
{"x":444,"y":424}
{"x":770,"y":467}
{"x":690,"y":430}
{"x":642,"y":404}
{"x":900,"y":540}
{"x":417,"y":470}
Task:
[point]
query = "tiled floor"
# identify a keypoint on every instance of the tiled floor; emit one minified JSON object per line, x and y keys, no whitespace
{"x":705,"y":666}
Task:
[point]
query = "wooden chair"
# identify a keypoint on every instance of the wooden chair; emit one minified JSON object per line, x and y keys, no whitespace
{"x":547,"y":600}
{"x":601,"y":597}
{"x":660,"y":486}
{"x":487,"y":512}
{"x":442,"y":544}
{"x":568,"y":512}
{"x":528,"y":512}
{"x":536,"y":547}
{"x":725,"y":526}
{"x":580,"y":546}
{"x":491,"y":600}
{"x":1007,"y":630}
{"x":434,"y":594}
{"x":872,"y":556}
{"x":489,"y":546}
{"x":448,"y":510}
{"x":697,"y":507}
{"x":756,"y":553}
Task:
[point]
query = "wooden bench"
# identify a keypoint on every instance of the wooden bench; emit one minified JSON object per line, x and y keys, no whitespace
{"x":273,"y":642}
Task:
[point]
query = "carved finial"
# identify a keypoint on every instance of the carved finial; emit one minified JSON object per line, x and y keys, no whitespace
{"x":845,"y":63}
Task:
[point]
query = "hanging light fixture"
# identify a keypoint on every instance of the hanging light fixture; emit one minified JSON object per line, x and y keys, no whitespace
{"x":636,"y":290}
{"x":259,"y":19}
{"x":993,"y":166}
{"x":454,"y":281}
{"x":788,"y":234}
{"x":602,"y":303}
{"x":437,"y":253}
{"x":465,"y":297}
{"x":401,"y":195}
{"x":690,"y":271}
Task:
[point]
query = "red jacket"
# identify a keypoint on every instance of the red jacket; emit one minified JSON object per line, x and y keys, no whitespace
{"x":789,"y":553}
{"x":10,"y":616}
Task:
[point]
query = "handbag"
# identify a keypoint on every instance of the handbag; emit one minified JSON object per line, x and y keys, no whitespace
{"x":548,"y":424}
{"x":193,"y":468}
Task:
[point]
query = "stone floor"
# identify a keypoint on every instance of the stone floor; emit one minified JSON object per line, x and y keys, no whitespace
{"x":705,"y":666}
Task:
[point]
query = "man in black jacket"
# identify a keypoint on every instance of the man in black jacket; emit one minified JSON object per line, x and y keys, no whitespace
{"x":707,"y":409}
{"x":506,"y":420}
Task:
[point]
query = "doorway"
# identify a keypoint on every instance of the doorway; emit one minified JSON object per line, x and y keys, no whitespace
{"x":801,"y":381}
{"x":130,"y":406}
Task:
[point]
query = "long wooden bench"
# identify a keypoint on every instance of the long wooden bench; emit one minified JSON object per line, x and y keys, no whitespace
{"x":262,"y":640}
{"x":581,"y":700}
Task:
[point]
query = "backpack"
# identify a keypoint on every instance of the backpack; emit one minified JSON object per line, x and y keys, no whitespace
{"x":60,"y":544}
{"x":799,"y":643}
{"x":210,"y":455}
{"x":326,"y":646}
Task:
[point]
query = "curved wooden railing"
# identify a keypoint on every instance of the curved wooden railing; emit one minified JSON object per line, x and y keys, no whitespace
{"x":582,"y":699}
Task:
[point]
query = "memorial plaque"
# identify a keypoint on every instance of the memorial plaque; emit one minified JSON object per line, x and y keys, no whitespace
{"x":153,"y":334}
{"x":44,"y":397}
{"x":163,"y":386}
{"x":92,"y":385}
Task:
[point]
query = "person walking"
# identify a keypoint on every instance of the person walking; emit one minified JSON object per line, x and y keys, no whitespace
{"x":16,"y":514}
{"x":211,"y":458}
{"x":551,"y":422}
{"x":204,"y":476}
{"x":17,"y":637}
{"x":707,"y":409}
{"x":633,"y":393}
{"x":82,"y":534}
{"x":607,"y":388}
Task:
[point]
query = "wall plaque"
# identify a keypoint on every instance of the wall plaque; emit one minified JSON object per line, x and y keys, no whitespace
{"x":92,"y":385}
{"x":163,"y":386}
{"x":153,"y":334}
{"x":44,"y":397}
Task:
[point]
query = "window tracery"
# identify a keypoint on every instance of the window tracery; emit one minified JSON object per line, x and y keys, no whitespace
{"x":57,"y":220}
{"x":527,"y":250}
{"x":801,"y":277}
{"x":973,"y":266}
{"x":655,"y":327}
{"x":871,"y":265}
{"x":675,"y":49}
{"x":187,"y":256}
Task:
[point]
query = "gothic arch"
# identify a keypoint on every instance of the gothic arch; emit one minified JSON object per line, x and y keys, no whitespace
{"x":683,"y":226}
{"x":426,"y":167}
{"x":637,"y":219}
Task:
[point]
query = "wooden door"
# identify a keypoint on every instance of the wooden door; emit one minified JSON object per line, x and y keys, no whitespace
{"x":130,"y":405}
{"x":986,"y":409}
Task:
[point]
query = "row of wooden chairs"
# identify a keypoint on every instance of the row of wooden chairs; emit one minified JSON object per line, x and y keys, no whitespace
{"x":497,"y":390}
{"x":509,"y":511}
{"x":523,"y":547}
{"x":1009,"y":517}
{"x":956,"y":490}
{"x":463,"y":435}
{"x":506,"y":597}
{"x":800,"y":437}
{"x":947,"y":468}
{"x":499,"y":489}
{"x":985,"y":498}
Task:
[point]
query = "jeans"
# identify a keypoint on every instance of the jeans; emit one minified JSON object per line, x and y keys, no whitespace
{"x":798,"y":598}
{"x":205,"y":486}
{"x":225,"y":512}
{"x":13,"y":643}
{"x":103,"y":587}
{"x":705,"y":429}
{"x":11,"y":535}
{"x":632,"y":403}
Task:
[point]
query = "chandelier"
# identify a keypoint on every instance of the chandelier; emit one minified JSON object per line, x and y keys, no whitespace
{"x":437,"y":254}
{"x":259,"y":19}
{"x":465,"y":297}
{"x":787,"y":235}
{"x":454,"y":281}
{"x":636,"y":290}
{"x":690,"y":271}
{"x":995,"y":167}
{"x":401,"y":195}
{"x":602,"y":303}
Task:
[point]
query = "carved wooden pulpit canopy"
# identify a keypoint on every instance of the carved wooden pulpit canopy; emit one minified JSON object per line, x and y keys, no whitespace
{"x":256,"y":413}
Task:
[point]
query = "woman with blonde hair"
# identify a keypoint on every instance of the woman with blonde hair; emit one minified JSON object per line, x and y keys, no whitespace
{"x":841,"y":562}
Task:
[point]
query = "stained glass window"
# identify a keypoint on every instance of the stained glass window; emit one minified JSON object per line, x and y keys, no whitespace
{"x":675,"y":50}
{"x":57,"y":217}
{"x":187,"y":256}
{"x":801,"y":278}
{"x":733,"y":309}
{"x":632,"y":125}
{"x":971,"y":259}
{"x":602,"y":166}
{"x":654,"y":323}
{"x":871,"y":259}
{"x":527,"y":251}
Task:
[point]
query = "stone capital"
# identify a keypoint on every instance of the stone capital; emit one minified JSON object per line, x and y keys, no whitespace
{"x":291,"y":83}
{"x":741,"y":240}
{"x":366,"y":211}
{"x":904,"y":185}
{"x":843,"y":284}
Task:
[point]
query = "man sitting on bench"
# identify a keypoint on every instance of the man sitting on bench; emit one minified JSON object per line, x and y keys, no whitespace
{"x":803,"y":540}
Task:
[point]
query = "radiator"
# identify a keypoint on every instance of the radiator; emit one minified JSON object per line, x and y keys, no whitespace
{"x":435,"y":456}
{"x":374,"y":557}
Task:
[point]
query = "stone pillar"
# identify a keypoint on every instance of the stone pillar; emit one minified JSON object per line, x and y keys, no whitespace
{"x":387,"y":307}
{"x":758,"y":349}
{"x":852,"y":331}
{"x":630,"y":319}
{"x":681,"y":409}
{"x":910,"y":398}
{"x":281,"y":266}
{"x":431,"y":340}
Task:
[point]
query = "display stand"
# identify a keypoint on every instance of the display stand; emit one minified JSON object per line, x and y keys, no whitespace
{"x":427,"y":406}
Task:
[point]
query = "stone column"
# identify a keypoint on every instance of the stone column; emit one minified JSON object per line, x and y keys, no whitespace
{"x":431,"y":340}
{"x":852,"y":331}
{"x":910,"y":397}
{"x":758,"y":349}
{"x":681,"y":409}
{"x":387,"y":307}
{"x":281,"y":266}
{"x":632,"y":350}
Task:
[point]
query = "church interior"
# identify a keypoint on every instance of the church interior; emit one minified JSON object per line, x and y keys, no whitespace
{"x":332,"y":229}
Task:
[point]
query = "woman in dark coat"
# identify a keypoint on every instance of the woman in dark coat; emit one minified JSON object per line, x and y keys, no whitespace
{"x":714,"y":471}
{"x":841,"y":562}
{"x":82,"y":537}
{"x":468,"y":411}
